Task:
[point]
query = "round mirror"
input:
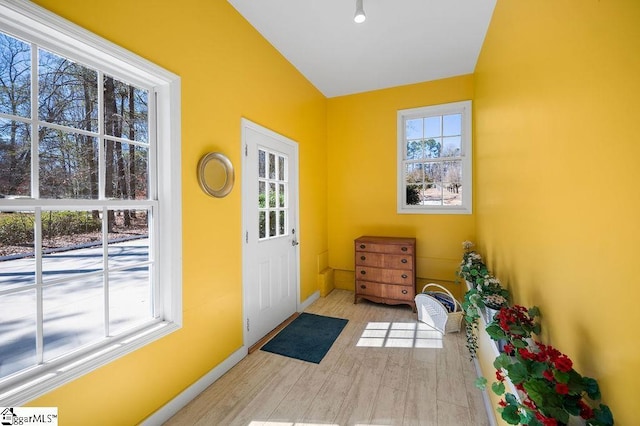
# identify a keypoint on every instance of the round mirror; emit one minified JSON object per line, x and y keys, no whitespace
{"x":215,"y":174}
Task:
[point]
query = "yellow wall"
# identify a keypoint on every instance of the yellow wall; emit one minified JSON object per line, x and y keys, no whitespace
{"x":362,"y":137}
{"x":228,"y":71}
{"x":557,"y":121}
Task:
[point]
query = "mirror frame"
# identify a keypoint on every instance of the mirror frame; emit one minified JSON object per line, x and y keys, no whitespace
{"x":227,"y":166}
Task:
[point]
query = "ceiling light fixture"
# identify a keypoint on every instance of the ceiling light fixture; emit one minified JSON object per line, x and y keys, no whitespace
{"x":360,"y":16}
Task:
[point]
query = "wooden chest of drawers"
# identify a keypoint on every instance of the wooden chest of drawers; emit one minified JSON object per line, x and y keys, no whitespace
{"x":386,"y":270}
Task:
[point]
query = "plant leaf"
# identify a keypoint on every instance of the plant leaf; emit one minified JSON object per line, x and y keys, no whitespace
{"x":534,"y":311}
{"x":510,"y":415}
{"x":497,"y":388}
{"x":591,"y":387}
{"x":481,"y":383}
{"x":495,"y":332}
{"x":561,"y":376}
{"x":517,"y":373}
{"x":502,"y":361}
{"x":603,"y":415}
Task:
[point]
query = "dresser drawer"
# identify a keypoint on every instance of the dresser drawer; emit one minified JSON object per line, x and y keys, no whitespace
{"x":392,"y":276}
{"x":399,"y":292}
{"x":370,"y":288}
{"x":384,"y":248}
{"x":379,"y":260}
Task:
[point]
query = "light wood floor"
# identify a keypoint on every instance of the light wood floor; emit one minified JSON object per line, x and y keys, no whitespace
{"x":356,"y":383}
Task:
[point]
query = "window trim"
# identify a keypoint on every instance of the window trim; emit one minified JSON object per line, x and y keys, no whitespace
{"x":37,"y":25}
{"x":462,"y":107}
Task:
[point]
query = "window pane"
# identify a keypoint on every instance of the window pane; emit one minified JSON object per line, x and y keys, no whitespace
{"x":281,"y":195}
{"x":68,"y":165}
{"x":452,"y":183}
{"x":262,"y":164}
{"x":129,"y":298}
{"x":15,"y":77}
{"x":433,"y":184}
{"x":17,"y":331}
{"x":73,"y":314}
{"x":262,"y":202}
{"x":281,"y":163}
{"x":414,"y":194}
{"x":415,"y":149}
{"x":413,"y":129}
{"x":452,"y":146}
{"x":15,"y":158}
{"x":262,"y":225}
{"x":68,"y":92}
{"x":125,"y":110}
{"x":452,"y":125}
{"x":17,"y":263}
{"x":282,"y":223}
{"x":272,"y":166}
{"x":433,"y":148}
{"x":128,"y":238}
{"x":432,"y":126}
{"x":126,"y":171}
{"x":71,"y":243}
{"x":272,"y":195}
{"x":272,"y":223}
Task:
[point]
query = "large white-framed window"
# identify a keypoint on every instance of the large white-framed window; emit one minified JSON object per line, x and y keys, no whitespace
{"x":434,"y":159}
{"x":90,"y":211}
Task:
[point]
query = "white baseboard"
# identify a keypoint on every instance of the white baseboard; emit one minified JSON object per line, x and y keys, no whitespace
{"x":177,"y":403}
{"x":304,"y":305}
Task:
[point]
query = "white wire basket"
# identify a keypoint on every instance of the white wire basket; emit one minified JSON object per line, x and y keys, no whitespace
{"x":439,"y":309}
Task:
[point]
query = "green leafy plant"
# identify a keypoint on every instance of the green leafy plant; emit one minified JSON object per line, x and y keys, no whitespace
{"x":549,"y":389}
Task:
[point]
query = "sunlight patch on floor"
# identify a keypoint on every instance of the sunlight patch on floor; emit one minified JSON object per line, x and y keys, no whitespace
{"x":399,"y":335}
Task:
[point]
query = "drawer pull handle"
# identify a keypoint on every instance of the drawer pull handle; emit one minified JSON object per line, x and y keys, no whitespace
{"x":363,"y":272}
{"x":403,"y":249}
{"x":404,"y":291}
{"x":404,"y":275}
{"x":364,"y":286}
{"x":363,"y":257}
{"x":362,"y":246}
{"x":403,"y":260}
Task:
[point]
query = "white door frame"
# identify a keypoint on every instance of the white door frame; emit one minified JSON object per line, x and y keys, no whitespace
{"x":294,"y":186}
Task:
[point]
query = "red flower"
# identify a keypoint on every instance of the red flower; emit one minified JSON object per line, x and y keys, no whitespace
{"x":548,"y":421}
{"x":508,"y":348}
{"x":563,"y":363}
{"x":548,"y":375}
{"x":502,"y":403}
{"x":499,"y":376}
{"x":526,"y":354}
{"x":562,"y":388}
{"x":586,"y":412}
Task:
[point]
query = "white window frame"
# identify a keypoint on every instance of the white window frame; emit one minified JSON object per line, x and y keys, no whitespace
{"x":34,"y":24}
{"x":462,"y":107}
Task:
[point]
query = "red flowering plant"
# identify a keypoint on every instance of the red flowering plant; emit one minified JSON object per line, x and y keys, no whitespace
{"x":514,"y":324}
{"x":549,"y":390}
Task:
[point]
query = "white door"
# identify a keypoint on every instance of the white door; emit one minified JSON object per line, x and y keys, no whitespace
{"x":270,"y":210}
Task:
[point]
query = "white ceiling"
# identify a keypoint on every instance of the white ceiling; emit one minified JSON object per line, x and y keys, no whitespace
{"x":401,"y":42}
